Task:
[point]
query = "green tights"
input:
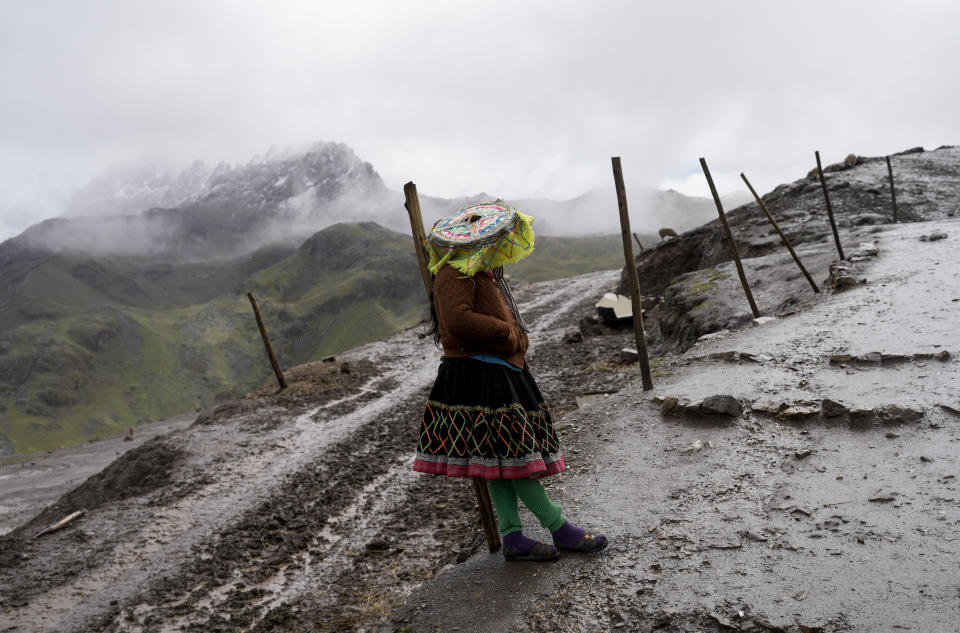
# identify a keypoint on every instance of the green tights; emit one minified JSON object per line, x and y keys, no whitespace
{"x":504,"y":493}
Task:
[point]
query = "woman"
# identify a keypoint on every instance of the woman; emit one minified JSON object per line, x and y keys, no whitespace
{"x":485,"y":416}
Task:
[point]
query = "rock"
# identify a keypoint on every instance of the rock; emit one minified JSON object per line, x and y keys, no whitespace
{"x":841,"y":275}
{"x":890,"y":435}
{"x":937,"y":235}
{"x":630,"y":355}
{"x":763,"y":320}
{"x":840,"y":358}
{"x":893,"y":414}
{"x":752,"y":536}
{"x":712,"y":335}
{"x":771,"y":407}
{"x":832,"y":408}
{"x":344,"y":367}
{"x":590,"y":326}
{"x":860,"y":416}
{"x":893,"y":358}
{"x":882,"y":497}
{"x":696,"y":447}
{"x":669,"y":406}
{"x":572,"y":335}
{"x":378,"y":545}
{"x":870,"y":357}
{"x":799,"y":412}
{"x":943,"y":355}
{"x":850,"y":160}
{"x":721,"y":405}
{"x":803,"y":453}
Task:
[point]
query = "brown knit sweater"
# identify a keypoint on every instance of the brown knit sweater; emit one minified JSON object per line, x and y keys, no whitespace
{"x":474,"y":318}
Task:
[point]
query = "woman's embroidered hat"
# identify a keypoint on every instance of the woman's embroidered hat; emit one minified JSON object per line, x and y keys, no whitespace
{"x":480,"y":237}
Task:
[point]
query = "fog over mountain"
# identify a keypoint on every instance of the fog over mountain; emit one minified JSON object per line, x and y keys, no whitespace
{"x":285,"y":195}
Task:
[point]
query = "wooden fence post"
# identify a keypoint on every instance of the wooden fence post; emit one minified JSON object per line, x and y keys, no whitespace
{"x":266,"y":341}
{"x":412,"y":204}
{"x":783,"y":237}
{"x":638,"y":332}
{"x":893,"y":192}
{"x":733,"y":246}
{"x":826,"y":196}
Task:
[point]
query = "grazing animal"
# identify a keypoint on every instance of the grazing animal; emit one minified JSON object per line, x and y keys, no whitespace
{"x":667,"y":232}
{"x":850,"y":160}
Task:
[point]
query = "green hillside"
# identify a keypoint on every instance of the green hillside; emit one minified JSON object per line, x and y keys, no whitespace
{"x":90,"y":345}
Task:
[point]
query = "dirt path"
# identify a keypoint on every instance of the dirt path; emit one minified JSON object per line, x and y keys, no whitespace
{"x":274,"y":510}
{"x":754,"y":522}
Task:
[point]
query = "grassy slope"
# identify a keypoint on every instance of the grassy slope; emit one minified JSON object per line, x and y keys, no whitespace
{"x":90,"y":346}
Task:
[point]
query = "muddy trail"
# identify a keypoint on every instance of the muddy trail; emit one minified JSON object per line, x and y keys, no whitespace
{"x":296,"y":511}
{"x":796,"y":476}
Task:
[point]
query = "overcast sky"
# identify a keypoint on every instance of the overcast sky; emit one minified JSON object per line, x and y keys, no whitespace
{"x":516,"y":98}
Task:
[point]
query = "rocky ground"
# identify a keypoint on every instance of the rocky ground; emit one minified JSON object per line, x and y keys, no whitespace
{"x":795,"y":476}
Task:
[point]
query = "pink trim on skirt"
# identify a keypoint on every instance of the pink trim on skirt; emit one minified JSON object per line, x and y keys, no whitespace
{"x":531,"y":470}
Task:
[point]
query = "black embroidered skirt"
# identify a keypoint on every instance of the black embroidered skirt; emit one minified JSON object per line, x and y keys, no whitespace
{"x":486,"y":420}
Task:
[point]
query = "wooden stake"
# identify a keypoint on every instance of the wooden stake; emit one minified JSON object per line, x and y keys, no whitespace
{"x":826,"y":196}
{"x":412,"y":204}
{"x":266,"y":341}
{"x":730,"y":242}
{"x":632,"y":274}
{"x":783,"y":237}
{"x":893,"y":192}
{"x":638,"y":241}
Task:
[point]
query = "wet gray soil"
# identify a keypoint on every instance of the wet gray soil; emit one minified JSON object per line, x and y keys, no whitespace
{"x":299,"y":511}
{"x":758,"y":523}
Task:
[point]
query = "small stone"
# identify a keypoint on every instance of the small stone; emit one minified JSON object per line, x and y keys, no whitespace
{"x":768,"y":406}
{"x":669,"y":406}
{"x":924,"y":458}
{"x":893,"y":414}
{"x":882,"y":497}
{"x":798,"y":412}
{"x":890,"y":435}
{"x":841,"y":358}
{"x":943,"y":355}
{"x":693,"y":448}
{"x":937,"y":235}
{"x":832,"y":408}
{"x":871,"y":357}
{"x":752,"y":536}
{"x":628,"y":354}
{"x":573,"y":335}
{"x":590,"y":326}
{"x":803,"y":454}
{"x":722,"y":405}
{"x":764,"y":320}
{"x":712,"y":335}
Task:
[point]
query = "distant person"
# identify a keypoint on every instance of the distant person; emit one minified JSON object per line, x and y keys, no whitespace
{"x":485,"y":416}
